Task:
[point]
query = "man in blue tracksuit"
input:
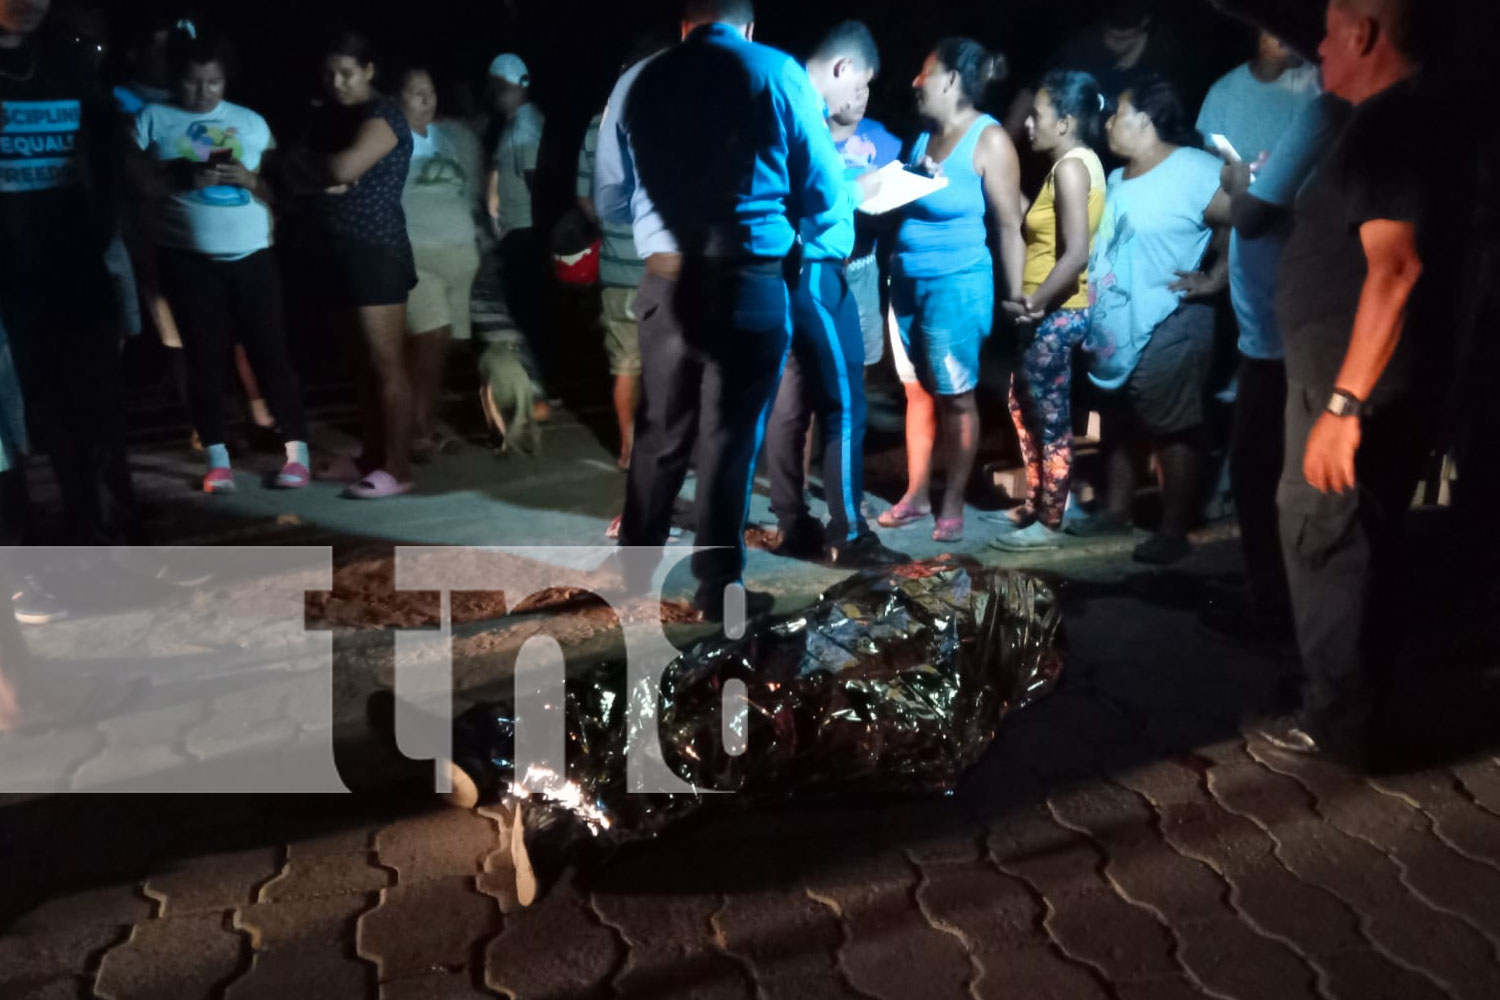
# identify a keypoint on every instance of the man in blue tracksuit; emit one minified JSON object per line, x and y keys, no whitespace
{"x":717,"y":153}
{"x":825,"y":373}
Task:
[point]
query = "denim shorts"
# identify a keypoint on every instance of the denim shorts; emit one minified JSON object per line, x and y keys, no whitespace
{"x":940,"y":323}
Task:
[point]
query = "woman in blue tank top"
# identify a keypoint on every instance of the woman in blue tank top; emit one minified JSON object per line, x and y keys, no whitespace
{"x":943,"y":280}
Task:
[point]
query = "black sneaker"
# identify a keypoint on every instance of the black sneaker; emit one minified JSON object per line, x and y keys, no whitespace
{"x":1101,"y":525}
{"x":801,"y":539}
{"x":34,"y":604}
{"x":1162,"y":550}
{"x":865,"y":552}
{"x":711,"y":603}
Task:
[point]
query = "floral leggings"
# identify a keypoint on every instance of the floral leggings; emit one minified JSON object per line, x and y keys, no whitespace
{"x":1041,"y":407}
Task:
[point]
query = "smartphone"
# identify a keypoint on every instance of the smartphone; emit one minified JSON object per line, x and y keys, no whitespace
{"x":220,"y":157}
{"x":1225,"y":148}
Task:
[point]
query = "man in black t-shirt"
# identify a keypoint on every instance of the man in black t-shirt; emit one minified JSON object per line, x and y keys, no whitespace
{"x":1363,"y":370}
{"x":59,"y":163}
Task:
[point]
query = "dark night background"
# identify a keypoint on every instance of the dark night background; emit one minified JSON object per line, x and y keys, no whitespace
{"x":574,"y":47}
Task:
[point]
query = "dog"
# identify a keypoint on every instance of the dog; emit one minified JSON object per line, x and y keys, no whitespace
{"x":508,"y":399}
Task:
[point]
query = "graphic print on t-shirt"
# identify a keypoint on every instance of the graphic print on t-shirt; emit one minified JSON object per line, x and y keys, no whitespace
{"x":438,"y":170}
{"x":206,"y":143}
{"x":38,"y":145}
{"x":1108,"y":294}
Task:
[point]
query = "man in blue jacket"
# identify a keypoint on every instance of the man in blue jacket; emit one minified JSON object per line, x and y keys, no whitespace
{"x":716,"y":151}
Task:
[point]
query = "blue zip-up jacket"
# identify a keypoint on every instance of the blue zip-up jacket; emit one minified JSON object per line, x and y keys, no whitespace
{"x":727,"y":141}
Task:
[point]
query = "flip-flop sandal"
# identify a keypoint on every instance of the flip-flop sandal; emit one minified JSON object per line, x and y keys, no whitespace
{"x":293,"y":476}
{"x":901,"y":515}
{"x":377,"y":486}
{"x":949,"y":529}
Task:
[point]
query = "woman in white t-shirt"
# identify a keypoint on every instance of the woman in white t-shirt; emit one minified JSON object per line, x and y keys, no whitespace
{"x":1151,"y":325}
{"x":440,"y":199}
{"x":213,"y":239}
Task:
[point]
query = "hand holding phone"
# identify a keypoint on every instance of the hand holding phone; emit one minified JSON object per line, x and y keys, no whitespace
{"x":1225,"y":148}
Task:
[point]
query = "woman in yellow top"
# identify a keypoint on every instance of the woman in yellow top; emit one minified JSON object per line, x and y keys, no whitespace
{"x":1054,"y":308}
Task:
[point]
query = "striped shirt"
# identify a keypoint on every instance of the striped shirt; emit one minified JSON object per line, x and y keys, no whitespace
{"x":620,"y":266}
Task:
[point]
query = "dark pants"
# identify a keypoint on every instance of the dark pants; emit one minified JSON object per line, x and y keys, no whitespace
{"x":217,"y":302}
{"x":66,"y":346}
{"x":712,"y":347}
{"x":824,"y":375}
{"x":1342,"y":555}
{"x":1256,"y":443}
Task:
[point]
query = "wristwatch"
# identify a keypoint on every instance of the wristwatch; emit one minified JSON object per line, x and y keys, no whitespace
{"x":1344,"y":404}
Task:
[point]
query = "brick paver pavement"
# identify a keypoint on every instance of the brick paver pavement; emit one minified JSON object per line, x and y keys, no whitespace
{"x":1123,"y":840}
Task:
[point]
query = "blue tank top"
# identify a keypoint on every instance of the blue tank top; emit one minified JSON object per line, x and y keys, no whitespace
{"x":945,"y":233}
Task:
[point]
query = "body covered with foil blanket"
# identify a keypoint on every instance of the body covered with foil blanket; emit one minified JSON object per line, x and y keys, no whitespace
{"x":894,"y":682}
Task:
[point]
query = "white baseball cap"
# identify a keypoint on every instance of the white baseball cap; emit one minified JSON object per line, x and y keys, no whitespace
{"x":512,"y":69}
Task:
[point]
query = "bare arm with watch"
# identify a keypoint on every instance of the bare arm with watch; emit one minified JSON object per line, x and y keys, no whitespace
{"x":1394,"y":267}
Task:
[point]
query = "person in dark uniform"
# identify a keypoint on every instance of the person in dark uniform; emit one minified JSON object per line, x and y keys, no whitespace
{"x":825,"y":372}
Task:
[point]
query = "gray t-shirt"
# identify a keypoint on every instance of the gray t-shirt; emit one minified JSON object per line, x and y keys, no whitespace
{"x":442,"y":186}
{"x":515,"y":156}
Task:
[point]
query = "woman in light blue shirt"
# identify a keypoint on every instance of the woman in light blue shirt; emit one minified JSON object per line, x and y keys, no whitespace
{"x":1151,"y":328}
{"x":943,"y":281}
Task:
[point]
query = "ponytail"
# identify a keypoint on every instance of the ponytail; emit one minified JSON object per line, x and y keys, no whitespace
{"x":976,"y":68}
{"x":1076,"y":95}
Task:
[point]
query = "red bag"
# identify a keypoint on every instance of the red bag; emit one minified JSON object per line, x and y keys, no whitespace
{"x":580,"y":269}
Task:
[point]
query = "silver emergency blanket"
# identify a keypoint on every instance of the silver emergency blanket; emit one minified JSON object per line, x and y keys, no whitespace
{"x":894,"y":681}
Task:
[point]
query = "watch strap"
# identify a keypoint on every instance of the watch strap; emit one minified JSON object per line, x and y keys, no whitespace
{"x":1343,"y":403}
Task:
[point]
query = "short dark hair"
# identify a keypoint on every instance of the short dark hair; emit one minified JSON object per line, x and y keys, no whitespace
{"x":192,"y":47}
{"x":352,"y":44}
{"x":976,"y":68}
{"x":1075,"y":94}
{"x":736,"y":12}
{"x":1158,"y":99}
{"x":852,"y":39}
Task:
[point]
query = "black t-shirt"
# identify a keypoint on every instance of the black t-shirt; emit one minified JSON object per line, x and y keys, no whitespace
{"x":58,"y":166}
{"x":1377,"y":169}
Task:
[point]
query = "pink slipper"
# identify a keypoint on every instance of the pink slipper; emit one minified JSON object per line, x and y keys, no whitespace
{"x":218,"y":481}
{"x":949,"y":529}
{"x":377,"y":486}
{"x":293,"y":476}
{"x":901,"y":515}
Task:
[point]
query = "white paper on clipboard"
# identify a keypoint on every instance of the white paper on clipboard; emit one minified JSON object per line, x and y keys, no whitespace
{"x":900,"y":187}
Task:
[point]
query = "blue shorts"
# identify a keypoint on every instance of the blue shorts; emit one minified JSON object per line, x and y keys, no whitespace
{"x":940,"y":323}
